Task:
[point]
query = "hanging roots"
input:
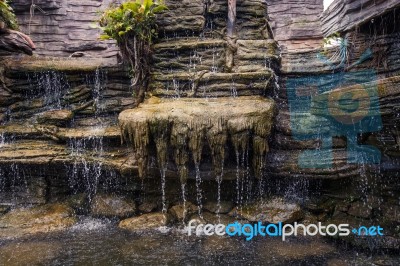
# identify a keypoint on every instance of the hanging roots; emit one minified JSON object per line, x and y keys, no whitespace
{"x":137,"y":53}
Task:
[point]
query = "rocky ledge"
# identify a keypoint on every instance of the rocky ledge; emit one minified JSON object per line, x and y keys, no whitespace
{"x":185,"y":125}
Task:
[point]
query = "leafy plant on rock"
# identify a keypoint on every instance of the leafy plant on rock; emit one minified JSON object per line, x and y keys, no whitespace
{"x":133,"y":25}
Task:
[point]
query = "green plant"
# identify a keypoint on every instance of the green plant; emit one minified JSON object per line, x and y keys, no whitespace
{"x":133,"y":25}
{"x":7,"y":16}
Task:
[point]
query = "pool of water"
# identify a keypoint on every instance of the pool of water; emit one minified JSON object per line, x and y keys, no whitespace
{"x":99,"y":242}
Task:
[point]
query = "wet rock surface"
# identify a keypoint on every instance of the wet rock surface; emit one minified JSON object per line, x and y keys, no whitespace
{"x":272,"y":211}
{"x":40,"y":219}
{"x":30,"y":253}
{"x":57,"y":117}
{"x":112,"y":206}
{"x":146,"y":221}
{"x":183,"y":211}
{"x":221,"y":207}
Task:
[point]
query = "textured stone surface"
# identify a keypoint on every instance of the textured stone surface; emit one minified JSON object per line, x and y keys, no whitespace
{"x":345,"y":15}
{"x":296,"y":24}
{"x":146,"y":221}
{"x":182,"y":212}
{"x":39,"y":98}
{"x":65,"y":27}
{"x":112,"y":206}
{"x":11,"y":42}
{"x":31,"y":252}
{"x":56,"y":117}
{"x":272,"y":211}
{"x":41,"y":219}
{"x":186,"y":122}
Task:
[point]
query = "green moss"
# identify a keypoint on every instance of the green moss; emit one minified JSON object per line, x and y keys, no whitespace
{"x":7,"y":15}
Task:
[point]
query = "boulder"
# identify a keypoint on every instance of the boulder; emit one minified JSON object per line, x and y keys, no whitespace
{"x":391,"y":213}
{"x":146,"y":221}
{"x":182,"y":212}
{"x":272,"y":211}
{"x":105,"y":205}
{"x":39,"y":219}
{"x":148,"y":206}
{"x":222,"y":207}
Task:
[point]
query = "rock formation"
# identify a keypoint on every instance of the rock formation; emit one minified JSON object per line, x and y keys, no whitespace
{"x":296,"y":24}
{"x":346,"y":15}
{"x":64,"y":28}
{"x":270,"y":102}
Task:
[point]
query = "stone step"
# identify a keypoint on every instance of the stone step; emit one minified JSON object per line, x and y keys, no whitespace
{"x":209,"y":84}
{"x":51,"y":155}
{"x":14,"y":68}
{"x":29,"y":131}
{"x":194,"y":54}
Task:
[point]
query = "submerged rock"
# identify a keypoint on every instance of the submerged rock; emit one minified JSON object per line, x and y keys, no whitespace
{"x":272,"y":211}
{"x":40,"y":219}
{"x":300,"y":249}
{"x":30,"y":253}
{"x":215,"y":244}
{"x":146,"y":221}
{"x":112,"y":206}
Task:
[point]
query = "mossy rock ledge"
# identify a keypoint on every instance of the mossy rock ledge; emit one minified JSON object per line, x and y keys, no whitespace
{"x":187,"y":125}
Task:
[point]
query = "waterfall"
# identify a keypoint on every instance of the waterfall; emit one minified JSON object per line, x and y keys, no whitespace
{"x":199,"y":192}
{"x":51,"y":85}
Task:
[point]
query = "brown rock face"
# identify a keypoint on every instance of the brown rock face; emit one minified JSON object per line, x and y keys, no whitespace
{"x":55,"y":117}
{"x":14,"y":42}
{"x":40,"y":219}
{"x":296,"y":24}
{"x":146,"y":221}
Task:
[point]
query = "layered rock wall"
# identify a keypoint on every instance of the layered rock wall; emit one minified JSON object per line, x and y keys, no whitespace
{"x":346,"y":15}
{"x":61,"y":28}
{"x":296,"y":24}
